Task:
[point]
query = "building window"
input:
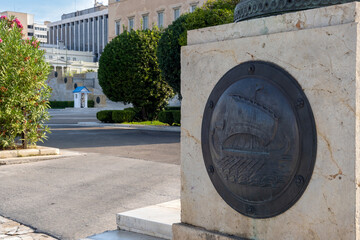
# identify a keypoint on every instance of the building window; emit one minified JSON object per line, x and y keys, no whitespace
{"x":176,"y":13}
{"x":131,"y":24}
{"x":67,"y":58}
{"x":30,"y":26}
{"x":160,"y":19}
{"x":50,"y":57}
{"x":193,"y":7}
{"x":30,"y":34}
{"x":145,"y":24}
{"x":74,"y":59}
{"x":62,"y":58}
{"x":117,"y":27}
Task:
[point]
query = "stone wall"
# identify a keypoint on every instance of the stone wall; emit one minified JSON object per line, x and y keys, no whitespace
{"x":319,"y":49}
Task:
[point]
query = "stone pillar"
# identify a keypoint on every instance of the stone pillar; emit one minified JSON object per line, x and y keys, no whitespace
{"x":65,"y":30}
{"x":50,"y":35}
{"x":54,"y":35}
{"x":98,"y":37}
{"x":84,"y":38}
{"x":88,"y":34}
{"x":60,"y":32}
{"x":320,"y":48}
{"x":93,"y":35}
{"x":73,"y":35}
{"x":78,"y":40}
{"x":103,"y":32}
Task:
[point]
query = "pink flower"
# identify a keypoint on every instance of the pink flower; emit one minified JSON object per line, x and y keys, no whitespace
{"x":1,"y":40}
{"x":3,"y":17}
{"x":18,"y":23}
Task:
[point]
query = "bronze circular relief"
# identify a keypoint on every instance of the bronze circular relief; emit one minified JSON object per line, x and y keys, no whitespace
{"x":259,"y":139}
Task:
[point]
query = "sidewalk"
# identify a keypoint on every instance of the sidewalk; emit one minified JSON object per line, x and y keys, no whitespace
{"x":11,"y":230}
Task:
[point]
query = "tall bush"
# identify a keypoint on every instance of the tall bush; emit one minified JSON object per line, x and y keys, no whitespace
{"x":24,"y":94}
{"x":214,"y":12}
{"x":129,"y":72}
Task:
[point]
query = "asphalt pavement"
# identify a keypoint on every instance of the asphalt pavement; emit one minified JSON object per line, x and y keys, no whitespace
{"x":76,"y":197}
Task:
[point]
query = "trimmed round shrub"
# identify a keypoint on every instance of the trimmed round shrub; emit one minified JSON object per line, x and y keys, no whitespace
{"x":120,"y":116}
{"x":105,"y":116}
{"x":166,"y":117}
{"x":129,"y":72}
{"x":24,"y":94}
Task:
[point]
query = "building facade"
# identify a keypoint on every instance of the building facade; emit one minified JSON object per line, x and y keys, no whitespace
{"x":40,"y":31}
{"x":85,"y":30}
{"x":143,"y":14}
{"x":30,"y":27}
{"x":69,"y":61}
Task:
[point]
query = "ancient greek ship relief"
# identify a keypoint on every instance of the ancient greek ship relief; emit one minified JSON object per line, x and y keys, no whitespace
{"x":258,"y":139}
{"x":249,"y":148}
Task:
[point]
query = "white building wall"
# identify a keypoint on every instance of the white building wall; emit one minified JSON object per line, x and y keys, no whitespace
{"x":78,"y":39}
{"x":40,"y":32}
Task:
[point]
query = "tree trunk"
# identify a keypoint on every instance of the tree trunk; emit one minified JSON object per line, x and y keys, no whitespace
{"x":143,"y":113}
{"x":23,"y":134}
{"x":24,"y":142}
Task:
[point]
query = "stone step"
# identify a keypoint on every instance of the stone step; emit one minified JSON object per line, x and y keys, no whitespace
{"x":121,"y":235}
{"x":156,"y":220}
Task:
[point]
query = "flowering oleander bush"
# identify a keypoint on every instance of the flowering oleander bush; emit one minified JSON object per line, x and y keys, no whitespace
{"x":24,"y":94}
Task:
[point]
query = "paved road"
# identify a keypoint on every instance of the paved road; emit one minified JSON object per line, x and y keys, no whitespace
{"x":73,"y":198}
{"x":132,"y":143}
{"x":72,"y":116}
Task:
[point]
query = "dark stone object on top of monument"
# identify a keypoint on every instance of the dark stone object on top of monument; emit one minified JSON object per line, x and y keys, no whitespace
{"x":248,"y":9}
{"x":259,"y":139}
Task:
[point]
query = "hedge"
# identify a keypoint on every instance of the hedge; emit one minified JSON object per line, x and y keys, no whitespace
{"x":166,"y":117}
{"x":61,"y":104}
{"x":91,"y":103}
{"x":105,"y":116}
{"x":68,"y":104}
{"x":177,"y":116}
{"x":120,"y":116}
{"x":172,"y":108}
{"x":170,"y":116}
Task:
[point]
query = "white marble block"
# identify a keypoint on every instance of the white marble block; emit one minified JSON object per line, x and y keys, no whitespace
{"x":319,"y":48}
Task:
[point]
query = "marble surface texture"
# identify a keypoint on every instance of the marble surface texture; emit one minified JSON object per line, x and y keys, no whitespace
{"x":325,"y":61}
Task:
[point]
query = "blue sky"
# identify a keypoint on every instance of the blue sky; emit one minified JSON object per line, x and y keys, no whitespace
{"x":44,"y":10}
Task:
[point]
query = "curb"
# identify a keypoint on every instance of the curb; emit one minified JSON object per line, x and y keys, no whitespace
{"x":20,"y":160}
{"x":38,"y":151}
{"x":119,"y":125}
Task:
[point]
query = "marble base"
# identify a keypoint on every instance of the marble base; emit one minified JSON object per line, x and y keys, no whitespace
{"x":319,"y":48}
{"x":188,"y":232}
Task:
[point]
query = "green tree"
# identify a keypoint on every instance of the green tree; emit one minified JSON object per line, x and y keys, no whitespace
{"x":129,"y":72}
{"x":169,"y":52}
{"x":214,"y":12}
{"x":24,"y":93}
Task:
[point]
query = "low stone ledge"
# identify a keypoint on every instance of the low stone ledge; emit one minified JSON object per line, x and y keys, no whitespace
{"x":38,"y":151}
{"x":183,"y":231}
